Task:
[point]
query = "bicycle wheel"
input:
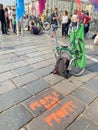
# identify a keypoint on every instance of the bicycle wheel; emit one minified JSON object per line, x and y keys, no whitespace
{"x":75,"y":69}
{"x":46,"y":26}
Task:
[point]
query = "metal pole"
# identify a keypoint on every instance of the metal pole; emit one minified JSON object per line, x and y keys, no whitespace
{"x":17,"y":25}
{"x":72,"y":2}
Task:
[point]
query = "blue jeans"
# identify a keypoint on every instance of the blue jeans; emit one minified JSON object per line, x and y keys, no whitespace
{"x":14,"y":28}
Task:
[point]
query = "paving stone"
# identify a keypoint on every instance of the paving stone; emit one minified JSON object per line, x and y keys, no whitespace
{"x":90,"y":63}
{"x":83,"y":124}
{"x":34,"y":60}
{"x":14,"y":118}
{"x":85,"y":77}
{"x":6,"y":86}
{"x":10,"y":55}
{"x":84,"y":95}
{"x":24,"y":79}
{"x":41,"y":64}
{"x":48,"y":56}
{"x":94,"y":68}
{"x":92,"y":85}
{"x":92,"y":112}
{"x":19,"y":58}
{"x":93,"y":53}
{"x":23,"y":70}
{"x":66,"y":86}
{"x":37,"y":86}
{"x":35,"y":54}
{"x":43,"y":101}
{"x":11,"y":66}
{"x":43,"y":71}
{"x":13,"y":97}
{"x":24,"y":52}
{"x":58,"y":117}
{"x":53,"y":79}
{"x":5,"y":76}
{"x":52,"y":61}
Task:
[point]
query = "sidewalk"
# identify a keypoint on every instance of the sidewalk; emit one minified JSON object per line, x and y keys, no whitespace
{"x":33,"y":99}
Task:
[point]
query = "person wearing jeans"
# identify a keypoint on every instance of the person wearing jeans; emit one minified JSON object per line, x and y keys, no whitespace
{"x":14,"y":23}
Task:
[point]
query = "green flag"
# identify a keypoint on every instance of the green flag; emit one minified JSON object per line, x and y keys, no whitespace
{"x":77,"y":41}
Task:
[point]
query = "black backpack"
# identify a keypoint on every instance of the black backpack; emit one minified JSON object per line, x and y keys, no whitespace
{"x":61,"y":67}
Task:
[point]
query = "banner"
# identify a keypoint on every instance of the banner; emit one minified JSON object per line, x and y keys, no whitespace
{"x":79,"y":6}
{"x":78,"y":1}
{"x":41,"y":6}
{"x":95,"y":3}
{"x":19,"y":9}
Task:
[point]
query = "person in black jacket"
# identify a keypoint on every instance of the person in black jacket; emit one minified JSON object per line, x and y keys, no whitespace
{"x":54,"y":21}
{"x":2,"y":19}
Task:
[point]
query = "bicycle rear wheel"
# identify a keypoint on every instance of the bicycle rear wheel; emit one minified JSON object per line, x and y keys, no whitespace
{"x":75,"y":69}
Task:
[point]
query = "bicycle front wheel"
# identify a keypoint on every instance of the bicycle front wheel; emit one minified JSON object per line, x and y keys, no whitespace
{"x":75,"y":69}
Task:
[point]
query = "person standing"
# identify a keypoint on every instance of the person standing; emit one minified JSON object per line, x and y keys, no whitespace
{"x":2,"y":19}
{"x":14,"y":23}
{"x":64,"y":23}
{"x":74,"y":18}
{"x":10,"y":13}
{"x":6,"y":19}
{"x":86,"y":23}
{"x":54,"y":21}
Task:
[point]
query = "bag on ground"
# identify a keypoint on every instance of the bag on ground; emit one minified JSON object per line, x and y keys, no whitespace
{"x":61,"y":67}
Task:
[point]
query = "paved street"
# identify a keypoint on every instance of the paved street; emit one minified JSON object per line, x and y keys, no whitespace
{"x":32,"y":98}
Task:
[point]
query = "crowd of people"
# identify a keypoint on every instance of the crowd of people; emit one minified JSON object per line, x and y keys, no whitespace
{"x":7,"y":19}
{"x":73,"y":19}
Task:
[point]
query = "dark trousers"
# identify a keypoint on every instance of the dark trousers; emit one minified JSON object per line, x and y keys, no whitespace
{"x":86,"y":28}
{"x":14,"y":28}
{"x":63,"y":29}
{"x":7,"y":23}
{"x":3,"y":26}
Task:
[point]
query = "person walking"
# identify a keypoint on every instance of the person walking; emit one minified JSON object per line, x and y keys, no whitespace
{"x":64,"y":23}
{"x":2,"y":20}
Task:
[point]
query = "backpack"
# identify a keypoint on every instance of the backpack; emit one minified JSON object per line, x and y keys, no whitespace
{"x":61,"y":67}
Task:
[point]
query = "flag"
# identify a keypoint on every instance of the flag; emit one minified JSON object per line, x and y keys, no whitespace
{"x":79,"y":6}
{"x":78,"y":1}
{"x":19,"y":9}
{"x":95,"y":3}
{"x":41,"y":6}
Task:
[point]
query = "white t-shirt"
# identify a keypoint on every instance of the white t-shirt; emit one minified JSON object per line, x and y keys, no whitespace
{"x":74,"y":18}
{"x":10,"y":13}
{"x":64,"y":19}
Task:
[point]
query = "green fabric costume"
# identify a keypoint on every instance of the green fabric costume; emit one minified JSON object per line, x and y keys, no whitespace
{"x":77,"y":41}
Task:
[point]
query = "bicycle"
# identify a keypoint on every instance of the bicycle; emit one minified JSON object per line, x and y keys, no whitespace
{"x":75,"y":52}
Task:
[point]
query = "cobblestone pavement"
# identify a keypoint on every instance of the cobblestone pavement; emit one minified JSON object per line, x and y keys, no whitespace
{"x":32,"y":98}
